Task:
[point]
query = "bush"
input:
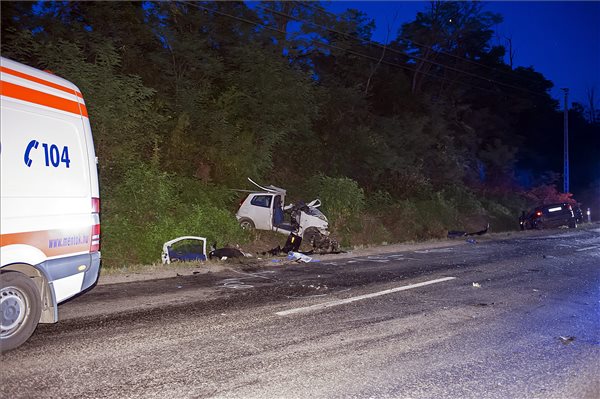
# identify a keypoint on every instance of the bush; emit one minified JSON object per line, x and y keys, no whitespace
{"x":343,"y":204}
{"x":149,"y":207}
{"x":342,"y":197}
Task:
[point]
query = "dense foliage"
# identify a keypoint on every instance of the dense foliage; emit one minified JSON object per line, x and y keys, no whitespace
{"x":402,"y":140}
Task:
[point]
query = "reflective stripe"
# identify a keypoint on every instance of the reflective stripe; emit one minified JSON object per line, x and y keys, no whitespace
{"x":40,"y":81}
{"x":38,"y":97}
{"x":52,"y":242}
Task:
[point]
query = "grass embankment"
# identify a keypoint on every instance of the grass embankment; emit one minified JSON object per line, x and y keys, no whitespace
{"x":150,"y":208}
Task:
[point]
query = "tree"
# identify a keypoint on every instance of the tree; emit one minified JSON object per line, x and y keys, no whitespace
{"x":458,"y":29}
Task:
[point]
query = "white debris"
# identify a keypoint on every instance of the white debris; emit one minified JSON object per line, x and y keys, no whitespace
{"x":298,"y":257}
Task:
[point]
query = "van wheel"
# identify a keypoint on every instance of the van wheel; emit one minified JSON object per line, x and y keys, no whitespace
{"x":20,"y":309}
{"x":246,"y":224}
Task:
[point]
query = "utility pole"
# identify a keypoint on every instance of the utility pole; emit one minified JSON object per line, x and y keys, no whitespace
{"x":566,"y":143}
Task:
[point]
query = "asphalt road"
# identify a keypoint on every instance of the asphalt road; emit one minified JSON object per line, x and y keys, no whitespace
{"x":514,"y":318}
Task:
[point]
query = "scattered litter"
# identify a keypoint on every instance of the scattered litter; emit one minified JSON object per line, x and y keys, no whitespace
{"x":534,"y":290}
{"x":180,"y":286}
{"x":548,"y":257}
{"x":195,"y":272}
{"x":224,"y":258}
{"x":476,"y":285}
{"x":275,"y":260}
{"x":566,"y":340}
{"x":471,"y":241}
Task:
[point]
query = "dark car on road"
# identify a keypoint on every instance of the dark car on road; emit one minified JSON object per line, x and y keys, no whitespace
{"x":549,"y":216}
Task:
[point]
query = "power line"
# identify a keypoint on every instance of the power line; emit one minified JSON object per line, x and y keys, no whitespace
{"x":404,"y":37}
{"x":339,"y":48}
{"x":370,"y":42}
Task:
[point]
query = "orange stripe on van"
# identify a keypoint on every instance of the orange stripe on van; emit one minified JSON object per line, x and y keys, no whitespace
{"x":37,"y":97}
{"x":52,"y":242}
{"x":40,"y":81}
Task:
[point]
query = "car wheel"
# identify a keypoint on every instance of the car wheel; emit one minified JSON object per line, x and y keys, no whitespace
{"x":20,"y":309}
{"x":247,"y":224}
{"x":310,"y":235}
{"x":572,"y":224}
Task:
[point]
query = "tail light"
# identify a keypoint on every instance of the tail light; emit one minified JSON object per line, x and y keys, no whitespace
{"x":538,"y":213}
{"x":242,"y":200}
{"x":95,"y":241}
{"x":96,"y":205}
{"x":570,"y":207}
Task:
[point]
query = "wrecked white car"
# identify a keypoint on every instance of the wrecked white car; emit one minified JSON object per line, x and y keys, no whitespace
{"x":265,"y":210}
{"x":184,"y":249}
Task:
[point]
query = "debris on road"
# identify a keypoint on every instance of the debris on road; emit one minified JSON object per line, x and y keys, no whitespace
{"x":461,"y":233}
{"x":226,"y":253}
{"x":476,"y":285}
{"x":456,"y":233}
{"x":320,"y":245}
{"x":566,"y":340}
{"x":471,"y":241}
{"x":297,"y":256}
{"x":292,"y":244}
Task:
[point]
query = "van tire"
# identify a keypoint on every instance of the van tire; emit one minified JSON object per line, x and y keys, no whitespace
{"x":247,"y":224}
{"x":20,"y":309}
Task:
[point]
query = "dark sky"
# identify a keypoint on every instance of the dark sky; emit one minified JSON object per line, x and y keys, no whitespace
{"x":560,"y":39}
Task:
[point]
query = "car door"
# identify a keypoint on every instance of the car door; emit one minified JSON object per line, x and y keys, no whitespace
{"x":262,"y":211}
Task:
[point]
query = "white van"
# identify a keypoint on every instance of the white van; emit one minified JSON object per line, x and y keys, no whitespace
{"x":50,"y":201}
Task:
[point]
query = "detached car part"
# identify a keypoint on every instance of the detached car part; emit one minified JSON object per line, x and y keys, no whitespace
{"x":184,"y":249}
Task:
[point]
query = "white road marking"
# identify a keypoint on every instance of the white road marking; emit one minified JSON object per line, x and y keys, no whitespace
{"x":326,"y":305}
{"x":587,"y":248}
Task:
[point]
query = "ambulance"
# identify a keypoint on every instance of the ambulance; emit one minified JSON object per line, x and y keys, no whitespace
{"x":50,"y":201}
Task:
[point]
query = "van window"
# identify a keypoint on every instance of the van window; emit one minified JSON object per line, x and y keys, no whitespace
{"x":264,"y":201}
